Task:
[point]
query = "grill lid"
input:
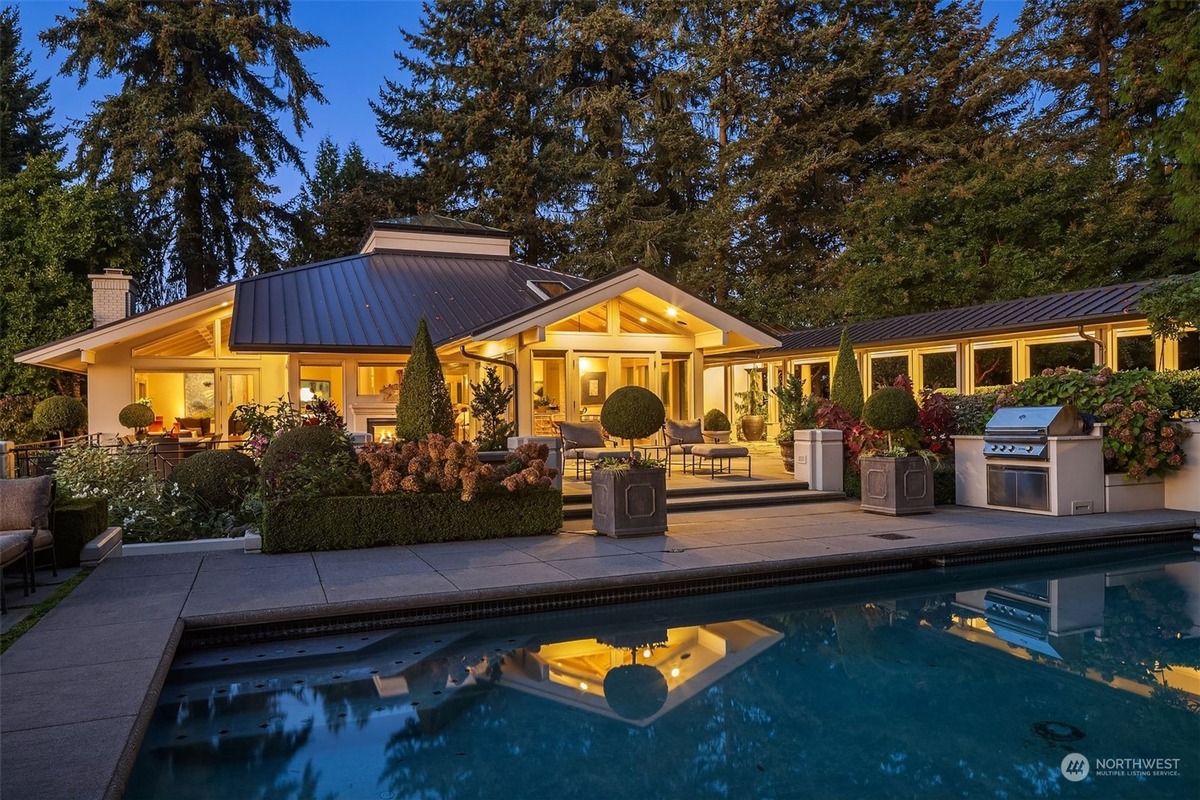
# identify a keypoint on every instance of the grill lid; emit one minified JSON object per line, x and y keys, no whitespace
{"x":1034,"y":422}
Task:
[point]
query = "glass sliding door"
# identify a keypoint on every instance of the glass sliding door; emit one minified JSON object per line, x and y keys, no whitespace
{"x":675,"y":386}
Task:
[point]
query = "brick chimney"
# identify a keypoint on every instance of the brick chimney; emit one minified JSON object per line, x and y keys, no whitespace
{"x":111,"y":300}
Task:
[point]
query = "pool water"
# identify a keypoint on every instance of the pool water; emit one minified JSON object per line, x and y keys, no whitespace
{"x":970,"y":683}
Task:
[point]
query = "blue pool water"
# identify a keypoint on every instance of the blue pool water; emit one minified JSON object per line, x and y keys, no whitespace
{"x":973,"y":683}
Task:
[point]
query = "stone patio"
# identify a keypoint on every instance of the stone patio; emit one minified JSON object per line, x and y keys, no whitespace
{"x":78,"y":688}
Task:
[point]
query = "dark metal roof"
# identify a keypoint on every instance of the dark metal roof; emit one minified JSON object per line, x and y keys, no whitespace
{"x":373,"y":301}
{"x":1065,"y":308}
{"x":436,"y":223}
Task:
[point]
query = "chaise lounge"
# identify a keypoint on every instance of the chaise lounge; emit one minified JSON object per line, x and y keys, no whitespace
{"x":25,"y":526}
{"x":689,"y":440}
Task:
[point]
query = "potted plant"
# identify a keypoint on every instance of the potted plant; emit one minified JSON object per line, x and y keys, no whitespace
{"x":138,"y":416}
{"x":629,"y":494}
{"x":716,"y":425}
{"x":797,"y":412}
{"x":897,"y":481}
{"x":751,"y":406}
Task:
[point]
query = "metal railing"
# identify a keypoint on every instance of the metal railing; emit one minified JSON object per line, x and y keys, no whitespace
{"x":37,"y":458}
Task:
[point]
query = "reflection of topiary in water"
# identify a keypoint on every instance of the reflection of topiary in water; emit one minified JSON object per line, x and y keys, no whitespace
{"x":290,"y":447}
{"x":136,"y":415}
{"x":61,"y":414}
{"x":716,"y":420}
{"x":890,"y":409}
{"x":632,"y":412}
{"x":219,"y":479}
{"x":635,"y":691}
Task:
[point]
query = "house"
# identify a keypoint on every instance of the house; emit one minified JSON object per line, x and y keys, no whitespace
{"x":342,"y":330}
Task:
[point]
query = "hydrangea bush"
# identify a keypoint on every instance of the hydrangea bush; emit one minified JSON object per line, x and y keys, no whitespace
{"x":439,"y":464}
{"x":1139,"y":440}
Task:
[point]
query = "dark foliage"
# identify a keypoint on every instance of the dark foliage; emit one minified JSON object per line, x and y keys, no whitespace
{"x":632,"y":412}
{"x":76,"y":522}
{"x":219,"y":480}
{"x":424,"y":405}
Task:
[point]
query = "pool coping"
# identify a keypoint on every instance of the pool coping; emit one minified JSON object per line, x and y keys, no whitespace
{"x":130,"y":728}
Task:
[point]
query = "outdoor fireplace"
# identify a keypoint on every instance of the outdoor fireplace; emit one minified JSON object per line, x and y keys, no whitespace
{"x":1034,"y":459}
{"x":381,"y":428}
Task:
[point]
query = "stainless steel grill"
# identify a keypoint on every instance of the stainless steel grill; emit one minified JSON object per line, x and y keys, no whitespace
{"x":1023,"y":432}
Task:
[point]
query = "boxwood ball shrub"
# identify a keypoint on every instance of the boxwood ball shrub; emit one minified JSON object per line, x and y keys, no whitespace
{"x":313,"y":443}
{"x":136,"y":415}
{"x":632,"y":412}
{"x":716,"y":420}
{"x":890,"y":409}
{"x":218,"y":479}
{"x":61,"y":414}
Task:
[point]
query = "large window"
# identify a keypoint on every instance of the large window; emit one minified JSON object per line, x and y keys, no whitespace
{"x":188,"y":399}
{"x":939,"y":370}
{"x":885,"y":369}
{"x":1077,"y":355}
{"x":380,"y":381}
{"x":815,"y":376}
{"x":1189,"y":351}
{"x":321,"y":382}
{"x":993,"y":366}
{"x":1135,"y":352}
{"x":593,"y":386}
{"x":674,"y":387}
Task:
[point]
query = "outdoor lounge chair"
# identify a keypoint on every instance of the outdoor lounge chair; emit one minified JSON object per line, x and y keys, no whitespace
{"x":680,"y":437}
{"x":25,"y":512}
{"x":14,"y":549}
{"x":584,"y":442}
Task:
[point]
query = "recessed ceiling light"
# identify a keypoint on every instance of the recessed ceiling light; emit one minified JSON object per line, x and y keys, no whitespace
{"x":642,"y":319}
{"x":671,"y":312}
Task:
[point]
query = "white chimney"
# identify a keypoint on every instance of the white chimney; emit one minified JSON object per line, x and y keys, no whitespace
{"x":111,"y":300}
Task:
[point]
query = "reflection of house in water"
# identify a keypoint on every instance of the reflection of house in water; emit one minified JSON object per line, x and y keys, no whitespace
{"x":1064,"y":620}
{"x":1046,"y":616}
{"x":636,"y":681}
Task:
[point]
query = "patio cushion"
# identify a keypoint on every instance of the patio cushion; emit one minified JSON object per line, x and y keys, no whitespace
{"x":12,"y":546}
{"x":577,"y":435}
{"x":592,"y":453}
{"x":23,"y":500}
{"x":720,"y":451}
{"x":680,"y":433}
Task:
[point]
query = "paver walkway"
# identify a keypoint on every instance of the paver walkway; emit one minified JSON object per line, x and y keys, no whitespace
{"x":76,"y":690}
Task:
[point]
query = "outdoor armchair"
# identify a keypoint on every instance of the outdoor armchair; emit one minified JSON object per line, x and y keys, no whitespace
{"x":583,"y":442}
{"x":25,"y":513}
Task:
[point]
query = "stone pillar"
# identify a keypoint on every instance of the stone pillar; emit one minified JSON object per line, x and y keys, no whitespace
{"x":8,"y":460}
{"x":554,"y":460}
{"x":819,"y":459}
{"x":111,"y":300}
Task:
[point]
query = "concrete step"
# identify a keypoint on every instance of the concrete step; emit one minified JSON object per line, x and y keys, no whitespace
{"x":719,"y":500}
{"x":721,"y":488}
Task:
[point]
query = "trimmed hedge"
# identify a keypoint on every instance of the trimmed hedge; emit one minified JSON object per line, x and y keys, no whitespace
{"x":76,"y":522}
{"x":220,"y":479}
{"x":347,"y":523}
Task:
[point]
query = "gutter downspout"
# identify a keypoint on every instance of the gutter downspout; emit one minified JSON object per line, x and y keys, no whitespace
{"x":1087,"y":337}
{"x":501,"y":363}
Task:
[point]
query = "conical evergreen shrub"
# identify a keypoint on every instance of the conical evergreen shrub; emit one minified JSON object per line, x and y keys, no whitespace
{"x":847,"y":389}
{"x":424,"y":405}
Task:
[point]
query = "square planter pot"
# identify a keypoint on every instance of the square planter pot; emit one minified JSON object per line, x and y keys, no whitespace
{"x":897,"y":486}
{"x":629,"y":502}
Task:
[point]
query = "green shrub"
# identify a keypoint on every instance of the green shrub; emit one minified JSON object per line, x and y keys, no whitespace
{"x":63,"y":415}
{"x":632,"y":412}
{"x":297,"y":457}
{"x":890,"y":409}
{"x":124,"y":476}
{"x":136,"y":415}
{"x":944,"y":491}
{"x":424,"y":405}
{"x":16,"y":419}
{"x":847,"y":389}
{"x":1183,"y":386}
{"x":345,"y":523}
{"x":971,"y":412}
{"x":217,"y":479}
{"x":489,"y":403}
{"x":716,"y":420}
{"x":1138,"y":439}
{"x":77,"y":520}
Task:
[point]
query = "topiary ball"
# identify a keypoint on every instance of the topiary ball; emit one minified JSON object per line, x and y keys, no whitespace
{"x":288,"y":448}
{"x":136,"y":415}
{"x":60,"y":413}
{"x":716,"y":420}
{"x":220,"y":479}
{"x":890,"y":409}
{"x":632,"y":412}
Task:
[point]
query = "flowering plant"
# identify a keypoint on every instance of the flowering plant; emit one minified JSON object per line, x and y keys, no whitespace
{"x":1138,"y":438}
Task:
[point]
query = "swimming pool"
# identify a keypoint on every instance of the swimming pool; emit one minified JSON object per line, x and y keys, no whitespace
{"x":983,"y":681}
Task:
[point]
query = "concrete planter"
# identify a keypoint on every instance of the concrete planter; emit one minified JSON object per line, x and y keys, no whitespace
{"x":1182,"y":487}
{"x":1122,"y":493}
{"x":629,"y":502}
{"x":819,"y":459}
{"x":897,"y":486}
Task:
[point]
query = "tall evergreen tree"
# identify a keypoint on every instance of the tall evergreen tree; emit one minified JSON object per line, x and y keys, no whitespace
{"x":475,"y":116}
{"x":25,"y":112}
{"x":847,"y":389}
{"x":53,"y":232}
{"x":340,"y":199}
{"x":193,"y":128}
{"x":424,"y":405}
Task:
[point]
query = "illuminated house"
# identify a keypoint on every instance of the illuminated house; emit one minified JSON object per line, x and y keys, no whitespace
{"x":342,"y":330}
